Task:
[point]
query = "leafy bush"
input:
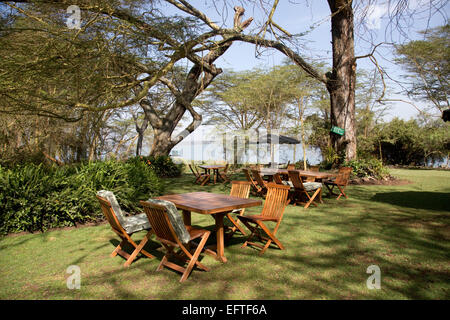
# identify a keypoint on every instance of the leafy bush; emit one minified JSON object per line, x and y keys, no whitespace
{"x":37,"y":197}
{"x":330,"y":158}
{"x":367,"y":168}
{"x":300,"y":164}
{"x":163,"y":166}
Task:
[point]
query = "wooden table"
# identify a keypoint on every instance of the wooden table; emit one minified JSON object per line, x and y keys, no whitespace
{"x":215,"y":169}
{"x":210,"y":203}
{"x":303,"y":173}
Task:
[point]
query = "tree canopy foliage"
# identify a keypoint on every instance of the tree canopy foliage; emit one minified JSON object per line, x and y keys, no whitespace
{"x":427,"y":64}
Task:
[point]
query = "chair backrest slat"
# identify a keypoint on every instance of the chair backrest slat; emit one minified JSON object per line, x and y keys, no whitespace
{"x":250,"y":179}
{"x":240,"y":189}
{"x":343,"y":176}
{"x":192,"y":170}
{"x":276,"y":201}
{"x":258,"y":178}
{"x":277,"y":178}
{"x":109,"y":214}
{"x":296,"y":180}
{"x":159,"y":221}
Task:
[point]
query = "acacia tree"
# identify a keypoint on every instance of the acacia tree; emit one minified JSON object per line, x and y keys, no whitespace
{"x":427,"y":62}
{"x":228,"y":102}
{"x":152,"y":43}
{"x":252,"y":99}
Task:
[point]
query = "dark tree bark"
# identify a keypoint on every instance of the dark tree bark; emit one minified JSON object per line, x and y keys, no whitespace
{"x":341,"y":80}
{"x":197,"y":80}
{"x":140,"y":130}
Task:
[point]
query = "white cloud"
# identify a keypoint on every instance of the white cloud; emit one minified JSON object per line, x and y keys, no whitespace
{"x":374,"y":15}
{"x":377,"y":11}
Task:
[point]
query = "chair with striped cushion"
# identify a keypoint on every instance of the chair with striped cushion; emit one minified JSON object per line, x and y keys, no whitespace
{"x":302,"y":190}
{"x":172,"y":233}
{"x":124,"y":226}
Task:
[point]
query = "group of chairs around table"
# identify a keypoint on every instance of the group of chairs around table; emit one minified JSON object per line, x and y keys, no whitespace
{"x":203,"y":178}
{"x":303,"y":190}
{"x":161,"y":218}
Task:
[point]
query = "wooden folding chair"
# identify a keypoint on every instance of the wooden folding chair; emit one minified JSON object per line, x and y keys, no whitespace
{"x":239,"y":189}
{"x":302,"y":189}
{"x":223,"y":174}
{"x":124,"y":227}
{"x":172,"y":233}
{"x":260,"y":182}
{"x":340,"y":182}
{"x":273,"y":210}
{"x":277,"y":179}
{"x":201,"y":178}
{"x":255,"y":190}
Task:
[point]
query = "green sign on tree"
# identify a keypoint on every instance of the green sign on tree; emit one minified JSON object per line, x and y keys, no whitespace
{"x":337,"y":130}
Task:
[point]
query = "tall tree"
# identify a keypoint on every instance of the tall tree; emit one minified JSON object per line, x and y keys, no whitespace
{"x":133,"y":51}
{"x":427,"y":64}
{"x":229,"y":103}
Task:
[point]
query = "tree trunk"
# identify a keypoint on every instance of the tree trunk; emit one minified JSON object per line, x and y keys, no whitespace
{"x":139,"y":144}
{"x":161,"y":143}
{"x":381,"y":153}
{"x":140,"y":130}
{"x":196,"y":82}
{"x":235,"y":150}
{"x":301,"y":111}
{"x":224,"y":144}
{"x":93,"y":148}
{"x":246,"y":147}
{"x":341,"y":81}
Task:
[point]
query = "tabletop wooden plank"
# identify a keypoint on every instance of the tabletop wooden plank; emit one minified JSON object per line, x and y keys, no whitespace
{"x":209,"y":203}
{"x":307,"y":173}
{"x":212,"y":166}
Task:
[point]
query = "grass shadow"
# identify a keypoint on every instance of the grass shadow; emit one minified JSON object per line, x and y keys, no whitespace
{"x":415,"y":199}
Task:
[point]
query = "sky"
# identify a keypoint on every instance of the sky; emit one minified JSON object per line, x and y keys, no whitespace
{"x":298,"y":17}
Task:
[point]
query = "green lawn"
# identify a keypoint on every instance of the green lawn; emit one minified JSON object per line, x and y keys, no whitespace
{"x":402,"y":229}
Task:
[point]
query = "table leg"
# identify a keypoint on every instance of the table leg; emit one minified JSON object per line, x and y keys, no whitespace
{"x":187,"y":217}
{"x":219,"y":178}
{"x":207,"y":171}
{"x":220,"y":237}
{"x":215,"y":174}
